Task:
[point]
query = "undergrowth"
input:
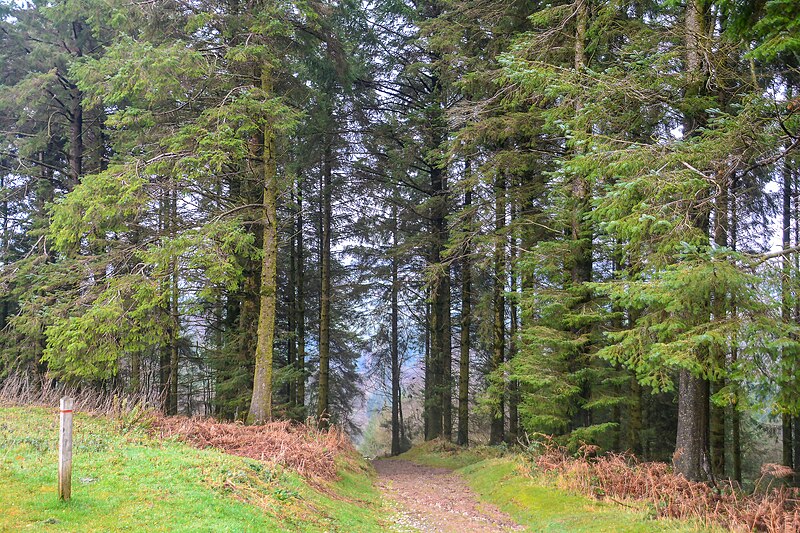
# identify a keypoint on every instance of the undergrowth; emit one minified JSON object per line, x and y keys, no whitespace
{"x":623,"y":478}
{"x":127,"y":476}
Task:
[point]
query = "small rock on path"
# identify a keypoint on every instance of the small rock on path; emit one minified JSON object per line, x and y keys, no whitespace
{"x":438,"y":500}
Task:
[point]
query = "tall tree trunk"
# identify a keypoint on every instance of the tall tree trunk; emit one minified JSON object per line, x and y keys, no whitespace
{"x":447,"y":361}
{"x":786,"y":296}
{"x":717,"y":413}
{"x":261,"y":403}
{"x":438,"y":295}
{"x":796,"y":419}
{"x":497,"y":430}
{"x":174,"y":310}
{"x":691,"y":445}
{"x":428,"y":385}
{"x":466,"y":322}
{"x":513,"y":385}
{"x":736,"y":425}
{"x":300,"y":310}
{"x":580,"y":228}
{"x":395,"y":343}
{"x":323,"y":407}
{"x":291,"y":306}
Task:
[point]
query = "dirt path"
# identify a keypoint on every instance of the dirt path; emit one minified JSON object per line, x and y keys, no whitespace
{"x":437,"y":500}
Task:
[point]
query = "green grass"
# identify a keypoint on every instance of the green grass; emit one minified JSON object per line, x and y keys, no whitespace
{"x":535,"y":502}
{"x":129,"y":481}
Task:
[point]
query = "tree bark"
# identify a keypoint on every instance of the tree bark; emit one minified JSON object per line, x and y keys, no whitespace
{"x":497,"y":430}
{"x":736,"y":435}
{"x":691,"y":446}
{"x":436,"y":372}
{"x":261,"y":403}
{"x":323,"y":407}
{"x":291,"y":306}
{"x":717,"y":421}
{"x":447,"y":361}
{"x":691,"y":457}
{"x":75,"y":137}
{"x":300,"y":310}
{"x":786,"y":296}
{"x":466,"y":322}
{"x":395,"y":343}
{"x":513,"y":385}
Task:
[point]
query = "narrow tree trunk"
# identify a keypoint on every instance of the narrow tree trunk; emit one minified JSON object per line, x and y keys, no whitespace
{"x":635,"y":418}
{"x":497,"y":431}
{"x":786,"y":296}
{"x":395,"y":343}
{"x":513,"y":385}
{"x":581,"y":232}
{"x":261,"y":403}
{"x":796,"y":419}
{"x":447,"y":361}
{"x":75,"y":137}
{"x":466,"y":321}
{"x":428,"y":385}
{"x":300,"y":310}
{"x":323,"y":407}
{"x":291,"y":306}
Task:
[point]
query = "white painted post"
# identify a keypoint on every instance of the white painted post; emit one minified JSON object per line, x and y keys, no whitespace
{"x":65,"y":450}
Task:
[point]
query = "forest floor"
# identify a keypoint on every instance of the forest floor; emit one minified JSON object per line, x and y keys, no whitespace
{"x":174,"y":475}
{"x":438,"y":500}
{"x":510,"y":496}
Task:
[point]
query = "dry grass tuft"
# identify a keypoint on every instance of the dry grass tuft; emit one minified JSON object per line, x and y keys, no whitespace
{"x":310,"y":452}
{"x":621,"y":477}
{"x":31,"y":389}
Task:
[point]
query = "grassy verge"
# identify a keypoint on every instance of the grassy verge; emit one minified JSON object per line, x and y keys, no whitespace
{"x":534,"y":501}
{"x":127,"y":480}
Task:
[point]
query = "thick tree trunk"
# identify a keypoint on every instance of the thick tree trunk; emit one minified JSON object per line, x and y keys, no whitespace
{"x":735,"y":419}
{"x":323,"y":407}
{"x":434,"y":405}
{"x":691,"y":458}
{"x":466,"y":322}
{"x":691,"y":446}
{"x":497,"y":430}
{"x":261,"y":403}
{"x":175,"y":329}
{"x":717,"y":421}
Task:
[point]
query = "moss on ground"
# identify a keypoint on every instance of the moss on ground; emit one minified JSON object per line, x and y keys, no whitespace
{"x":534,"y":501}
{"x":125,"y":480}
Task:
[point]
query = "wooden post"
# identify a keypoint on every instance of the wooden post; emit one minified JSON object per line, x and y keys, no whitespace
{"x":65,"y":450}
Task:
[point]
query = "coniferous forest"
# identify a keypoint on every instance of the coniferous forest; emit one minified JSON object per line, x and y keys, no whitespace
{"x":476,"y":220}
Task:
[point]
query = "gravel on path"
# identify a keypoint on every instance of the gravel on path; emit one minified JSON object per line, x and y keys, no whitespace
{"x":437,"y":500}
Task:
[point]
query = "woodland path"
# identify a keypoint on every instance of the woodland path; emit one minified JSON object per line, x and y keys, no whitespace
{"x":437,"y":500}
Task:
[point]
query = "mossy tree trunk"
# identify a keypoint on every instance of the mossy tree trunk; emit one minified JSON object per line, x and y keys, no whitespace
{"x":261,"y":403}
